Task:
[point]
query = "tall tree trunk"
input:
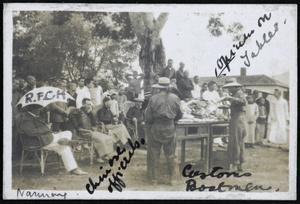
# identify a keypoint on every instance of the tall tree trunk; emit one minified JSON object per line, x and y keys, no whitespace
{"x":152,"y":54}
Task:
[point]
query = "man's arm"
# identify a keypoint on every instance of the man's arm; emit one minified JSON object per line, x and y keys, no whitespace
{"x":148,"y":114}
{"x":74,"y":114}
{"x":102,"y":117}
{"x":29,"y":127}
{"x":56,"y":108}
{"x":179,"y":110}
{"x":127,"y":77}
{"x":142,"y":75}
{"x":130,"y":113}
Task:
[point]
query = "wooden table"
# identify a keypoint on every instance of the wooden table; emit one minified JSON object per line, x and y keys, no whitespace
{"x":203,"y":131}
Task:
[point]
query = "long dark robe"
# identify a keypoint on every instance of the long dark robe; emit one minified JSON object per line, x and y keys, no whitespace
{"x":237,"y":129}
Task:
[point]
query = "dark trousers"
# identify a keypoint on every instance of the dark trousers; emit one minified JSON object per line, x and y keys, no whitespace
{"x":56,"y":127}
{"x":161,"y":136}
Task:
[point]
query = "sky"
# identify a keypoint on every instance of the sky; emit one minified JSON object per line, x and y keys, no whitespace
{"x":187,"y":39}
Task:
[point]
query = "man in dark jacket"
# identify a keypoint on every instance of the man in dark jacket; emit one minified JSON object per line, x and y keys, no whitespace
{"x":112,"y":123}
{"x":137,"y":114}
{"x":83,"y":118}
{"x":186,"y":86}
{"x":169,"y":71}
{"x":31,"y":126}
{"x":58,"y":112}
{"x":163,"y":109}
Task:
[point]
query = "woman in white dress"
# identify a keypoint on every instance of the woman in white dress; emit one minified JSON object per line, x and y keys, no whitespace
{"x":278,"y":119}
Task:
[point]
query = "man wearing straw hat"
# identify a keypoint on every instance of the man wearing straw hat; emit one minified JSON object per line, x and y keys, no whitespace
{"x":237,"y":126}
{"x":163,"y":109}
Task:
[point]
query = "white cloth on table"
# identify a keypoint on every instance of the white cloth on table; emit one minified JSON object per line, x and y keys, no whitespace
{"x":278,"y":118}
{"x":63,"y":150}
{"x":81,"y":94}
{"x":212,"y":97}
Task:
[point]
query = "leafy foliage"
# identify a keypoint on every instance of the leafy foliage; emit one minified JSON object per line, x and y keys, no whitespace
{"x":68,"y":44}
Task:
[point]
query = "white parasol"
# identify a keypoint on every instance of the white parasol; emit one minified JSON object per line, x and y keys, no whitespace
{"x":43,"y":96}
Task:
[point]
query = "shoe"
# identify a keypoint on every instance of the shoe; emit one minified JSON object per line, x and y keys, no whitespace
{"x":99,"y":160}
{"x":78,"y":148}
{"x":78,"y":171}
{"x":221,"y":145}
{"x":86,"y":146}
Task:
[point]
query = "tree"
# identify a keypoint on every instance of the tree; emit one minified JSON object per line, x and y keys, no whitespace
{"x":72,"y":44}
{"x":152,"y":52}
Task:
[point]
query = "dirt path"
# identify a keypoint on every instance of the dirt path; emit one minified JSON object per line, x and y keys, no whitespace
{"x":268,"y":166}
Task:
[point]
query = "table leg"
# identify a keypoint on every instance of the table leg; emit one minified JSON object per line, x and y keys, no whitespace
{"x":202,"y":149}
{"x":182,"y":152}
{"x":210,"y":145}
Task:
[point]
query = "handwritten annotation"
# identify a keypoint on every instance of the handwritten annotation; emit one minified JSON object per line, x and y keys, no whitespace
{"x":191,"y":184}
{"x":224,"y":61}
{"x":34,"y":194}
{"x":115,"y":181}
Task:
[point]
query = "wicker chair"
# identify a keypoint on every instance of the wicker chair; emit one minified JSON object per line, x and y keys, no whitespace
{"x":40,"y":152}
{"x":129,"y":123}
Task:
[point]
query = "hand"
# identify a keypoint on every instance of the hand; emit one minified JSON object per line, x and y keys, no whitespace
{"x":134,"y":119}
{"x":142,"y":123}
{"x":116,"y":119}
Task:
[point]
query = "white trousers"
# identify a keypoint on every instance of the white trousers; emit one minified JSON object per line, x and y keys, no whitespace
{"x":63,"y":150}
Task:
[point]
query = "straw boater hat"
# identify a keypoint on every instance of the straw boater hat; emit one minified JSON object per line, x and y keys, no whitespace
{"x":232,"y":83}
{"x":138,"y":99}
{"x":163,"y":82}
{"x":265,"y":91}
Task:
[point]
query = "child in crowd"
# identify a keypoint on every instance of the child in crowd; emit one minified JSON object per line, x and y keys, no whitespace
{"x":251,"y":115}
{"x":261,"y":121}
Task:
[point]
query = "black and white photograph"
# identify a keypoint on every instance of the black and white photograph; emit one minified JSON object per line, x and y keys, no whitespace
{"x":156,"y":101}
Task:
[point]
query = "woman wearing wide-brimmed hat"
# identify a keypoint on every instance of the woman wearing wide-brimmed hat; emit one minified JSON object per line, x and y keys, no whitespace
{"x":237,"y":125}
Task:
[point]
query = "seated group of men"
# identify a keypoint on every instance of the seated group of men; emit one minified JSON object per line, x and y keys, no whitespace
{"x":82,"y":123}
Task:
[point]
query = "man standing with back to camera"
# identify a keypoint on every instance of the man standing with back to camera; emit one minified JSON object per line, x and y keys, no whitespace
{"x":163,"y":109}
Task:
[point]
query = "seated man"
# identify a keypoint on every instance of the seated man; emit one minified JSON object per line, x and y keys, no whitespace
{"x":111,"y":122}
{"x":137,"y":114}
{"x":83,"y":120}
{"x":32,"y":126}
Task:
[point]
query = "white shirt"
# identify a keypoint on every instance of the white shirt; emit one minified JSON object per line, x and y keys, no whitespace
{"x":212,"y":97}
{"x":81,"y":94}
{"x":96,"y":93}
{"x":114,"y":107}
{"x":196,"y":93}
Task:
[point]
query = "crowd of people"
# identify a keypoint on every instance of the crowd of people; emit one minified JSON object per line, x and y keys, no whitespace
{"x":100,"y":115}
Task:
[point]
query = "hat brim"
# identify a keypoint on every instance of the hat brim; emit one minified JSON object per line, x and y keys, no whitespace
{"x":138,"y":100}
{"x":232,"y":85}
{"x":264,"y":91}
{"x":159,"y":86}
